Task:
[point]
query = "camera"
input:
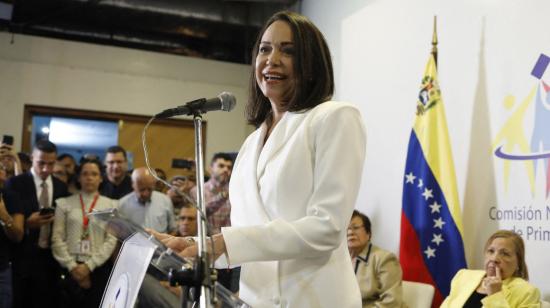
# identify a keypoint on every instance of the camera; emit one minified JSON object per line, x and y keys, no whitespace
{"x":182,"y":163}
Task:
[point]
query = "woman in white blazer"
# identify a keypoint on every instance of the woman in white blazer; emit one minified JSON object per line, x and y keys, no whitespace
{"x":296,"y":179}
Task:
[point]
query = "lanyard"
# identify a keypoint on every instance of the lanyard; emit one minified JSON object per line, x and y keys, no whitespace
{"x":85,"y":219}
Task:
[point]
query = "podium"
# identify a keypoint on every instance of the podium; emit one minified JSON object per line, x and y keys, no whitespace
{"x":139,"y":250}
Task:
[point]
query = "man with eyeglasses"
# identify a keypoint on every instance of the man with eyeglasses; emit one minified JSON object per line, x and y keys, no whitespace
{"x":378,"y":271}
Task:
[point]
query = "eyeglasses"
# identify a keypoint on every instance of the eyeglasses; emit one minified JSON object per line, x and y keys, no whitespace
{"x":355,"y":228}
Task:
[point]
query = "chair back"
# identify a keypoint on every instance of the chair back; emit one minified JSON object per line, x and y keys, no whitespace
{"x":417,"y":294}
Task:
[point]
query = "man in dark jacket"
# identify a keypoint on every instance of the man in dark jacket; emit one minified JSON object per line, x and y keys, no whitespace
{"x":35,"y":271}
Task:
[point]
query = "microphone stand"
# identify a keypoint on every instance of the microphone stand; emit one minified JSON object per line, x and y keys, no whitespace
{"x":200,"y":278}
{"x":203,"y":264}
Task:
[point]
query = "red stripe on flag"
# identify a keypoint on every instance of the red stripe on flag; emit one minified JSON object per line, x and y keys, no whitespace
{"x":412,"y":261}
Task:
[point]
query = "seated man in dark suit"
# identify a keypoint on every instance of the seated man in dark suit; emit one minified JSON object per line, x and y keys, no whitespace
{"x":35,"y":271}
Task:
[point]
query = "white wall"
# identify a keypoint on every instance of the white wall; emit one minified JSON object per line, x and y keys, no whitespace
{"x":487,"y":49}
{"x":68,"y":74}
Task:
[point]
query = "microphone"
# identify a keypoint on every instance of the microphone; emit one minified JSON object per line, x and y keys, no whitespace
{"x":225,"y":101}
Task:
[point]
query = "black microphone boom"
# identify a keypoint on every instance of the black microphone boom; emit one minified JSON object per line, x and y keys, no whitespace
{"x":225,"y":101}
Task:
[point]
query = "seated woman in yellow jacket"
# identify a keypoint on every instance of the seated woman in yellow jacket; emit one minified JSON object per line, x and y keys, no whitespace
{"x":503,"y":282}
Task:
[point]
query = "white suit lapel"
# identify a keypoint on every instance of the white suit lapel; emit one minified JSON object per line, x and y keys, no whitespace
{"x":278,"y":139}
{"x":253,"y":208}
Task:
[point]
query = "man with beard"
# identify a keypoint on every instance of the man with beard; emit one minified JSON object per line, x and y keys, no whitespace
{"x":216,"y":194}
{"x":218,"y":208}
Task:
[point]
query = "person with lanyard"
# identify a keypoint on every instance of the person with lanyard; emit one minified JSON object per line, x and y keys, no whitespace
{"x":80,"y":246}
{"x":378,"y":271}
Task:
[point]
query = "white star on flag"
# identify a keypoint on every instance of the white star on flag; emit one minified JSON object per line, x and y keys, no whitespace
{"x":427,"y":194}
{"x":435,"y":207}
{"x":438,"y":238}
{"x":420,"y":183}
{"x":429,"y":252}
{"x":410,"y":178}
{"x":438,"y":223}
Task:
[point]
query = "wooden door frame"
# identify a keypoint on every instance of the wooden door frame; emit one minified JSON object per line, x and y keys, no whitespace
{"x":33,"y":110}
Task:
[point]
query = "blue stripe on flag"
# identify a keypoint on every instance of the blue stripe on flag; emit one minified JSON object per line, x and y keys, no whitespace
{"x":447,"y":257}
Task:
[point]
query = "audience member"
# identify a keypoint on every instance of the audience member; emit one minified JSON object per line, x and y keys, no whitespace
{"x":60,"y":172}
{"x":12,"y":228}
{"x":503,"y":282}
{"x":378,"y":271}
{"x":10,"y":160}
{"x":25,"y":160}
{"x":34,"y":268}
{"x":187,"y":221}
{"x":147,"y":207}
{"x":155,"y":294}
{"x":218,"y":208}
{"x":159,"y":185}
{"x":68,"y":161}
{"x":179,"y":192}
{"x":117,"y":183}
{"x":81,"y":247}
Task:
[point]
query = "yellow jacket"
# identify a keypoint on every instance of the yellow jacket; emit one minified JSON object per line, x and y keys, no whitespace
{"x":515,"y":293}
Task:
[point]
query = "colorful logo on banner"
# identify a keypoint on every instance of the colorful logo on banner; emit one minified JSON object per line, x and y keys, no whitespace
{"x":512,"y":143}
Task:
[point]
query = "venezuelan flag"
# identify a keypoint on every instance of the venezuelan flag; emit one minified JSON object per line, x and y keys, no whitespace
{"x":431,"y":246}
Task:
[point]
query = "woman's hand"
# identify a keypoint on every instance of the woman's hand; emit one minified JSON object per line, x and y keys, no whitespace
{"x":219,"y":248}
{"x":81,"y":274}
{"x":159,"y":236}
{"x":493,"y":284}
{"x":176,"y":243}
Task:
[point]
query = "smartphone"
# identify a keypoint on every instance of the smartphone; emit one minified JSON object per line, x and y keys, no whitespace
{"x":7,"y":139}
{"x":182,"y":163}
{"x":47,"y":211}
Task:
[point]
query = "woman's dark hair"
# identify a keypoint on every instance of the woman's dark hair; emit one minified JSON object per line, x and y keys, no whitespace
{"x":88,"y":161}
{"x":364,"y":219}
{"x":314,"y":76}
{"x":84,"y":161}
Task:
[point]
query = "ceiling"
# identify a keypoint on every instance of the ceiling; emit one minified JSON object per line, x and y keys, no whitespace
{"x":213,"y":29}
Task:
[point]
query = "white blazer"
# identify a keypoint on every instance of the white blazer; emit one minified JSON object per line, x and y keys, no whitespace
{"x":291,"y":202}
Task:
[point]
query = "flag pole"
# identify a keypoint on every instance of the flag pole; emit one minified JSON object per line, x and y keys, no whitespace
{"x":434,"y":40}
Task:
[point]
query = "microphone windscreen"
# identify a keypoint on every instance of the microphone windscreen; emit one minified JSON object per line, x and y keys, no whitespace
{"x":228,"y":101}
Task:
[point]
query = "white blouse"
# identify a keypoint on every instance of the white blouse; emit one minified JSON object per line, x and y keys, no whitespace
{"x":68,"y":230}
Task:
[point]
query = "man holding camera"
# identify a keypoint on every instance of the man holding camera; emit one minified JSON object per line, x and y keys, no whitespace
{"x":35,"y":271}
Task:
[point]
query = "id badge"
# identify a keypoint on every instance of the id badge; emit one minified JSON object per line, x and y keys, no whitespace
{"x":85,"y":247}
